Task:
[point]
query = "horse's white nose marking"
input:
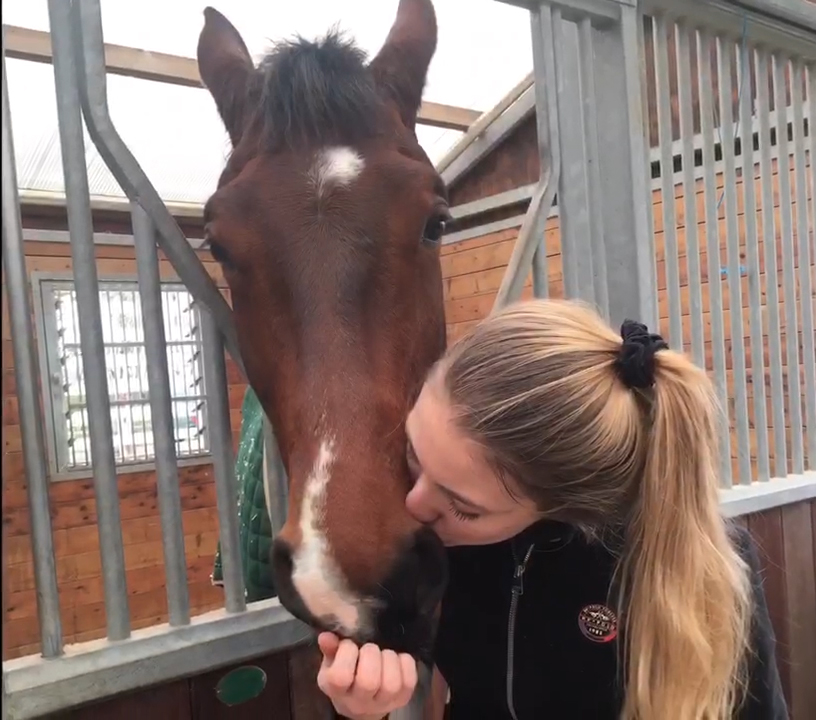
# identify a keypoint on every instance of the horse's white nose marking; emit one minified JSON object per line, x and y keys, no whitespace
{"x":316,"y":575}
{"x":336,"y":166}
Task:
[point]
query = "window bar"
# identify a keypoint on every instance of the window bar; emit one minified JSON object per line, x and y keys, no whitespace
{"x":161,"y":413}
{"x":685,"y":101}
{"x":664,"y":124}
{"x":117,"y":409}
{"x":80,"y":225}
{"x":725,"y":55}
{"x":794,"y":388}
{"x":752,"y":261}
{"x":805,"y":255}
{"x":31,"y":420}
{"x":705,"y":47}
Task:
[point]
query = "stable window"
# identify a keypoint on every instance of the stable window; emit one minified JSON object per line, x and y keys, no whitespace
{"x":128,"y":388}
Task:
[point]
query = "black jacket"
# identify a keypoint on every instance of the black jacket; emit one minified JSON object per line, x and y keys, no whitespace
{"x":560,"y":632}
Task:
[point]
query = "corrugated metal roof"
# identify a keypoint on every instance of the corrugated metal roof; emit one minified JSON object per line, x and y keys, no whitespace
{"x":174,"y":131}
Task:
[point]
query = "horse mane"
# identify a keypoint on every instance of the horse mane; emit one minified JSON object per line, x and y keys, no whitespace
{"x":316,"y":93}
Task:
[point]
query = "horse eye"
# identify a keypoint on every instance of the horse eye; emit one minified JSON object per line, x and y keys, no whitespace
{"x":218,"y":253}
{"x":434,"y":229}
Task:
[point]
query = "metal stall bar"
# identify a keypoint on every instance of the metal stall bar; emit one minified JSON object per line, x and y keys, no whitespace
{"x":794,"y":388}
{"x":161,"y":414}
{"x":276,"y":486}
{"x":574,"y":193}
{"x":712,"y":233}
{"x":541,"y":272}
{"x":725,"y":57}
{"x":780,"y":447}
{"x":683,"y":34}
{"x":752,"y":261}
{"x":626,"y":191}
{"x":92,"y":343}
{"x":805,"y":254}
{"x":86,"y":18}
{"x":590,"y":112}
{"x":31,"y":420}
{"x":664,"y":123}
{"x":542,"y":24}
{"x":215,"y":381}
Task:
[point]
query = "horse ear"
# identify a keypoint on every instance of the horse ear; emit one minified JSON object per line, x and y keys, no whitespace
{"x":226,"y":68}
{"x":401,"y":67}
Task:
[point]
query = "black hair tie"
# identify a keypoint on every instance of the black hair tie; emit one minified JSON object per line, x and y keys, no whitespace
{"x":635,"y":363}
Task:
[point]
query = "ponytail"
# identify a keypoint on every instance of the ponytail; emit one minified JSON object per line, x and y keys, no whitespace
{"x":684,"y":587}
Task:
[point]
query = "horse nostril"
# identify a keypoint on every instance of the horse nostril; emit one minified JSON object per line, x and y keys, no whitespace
{"x":282,"y":563}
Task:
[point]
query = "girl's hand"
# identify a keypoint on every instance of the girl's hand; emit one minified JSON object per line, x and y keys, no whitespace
{"x":364,"y":683}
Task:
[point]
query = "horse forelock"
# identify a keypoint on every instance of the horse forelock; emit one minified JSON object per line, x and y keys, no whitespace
{"x":315,"y":93}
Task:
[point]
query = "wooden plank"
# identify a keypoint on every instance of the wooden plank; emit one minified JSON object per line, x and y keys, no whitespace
{"x":766,"y":529}
{"x":797,"y":532}
{"x":163,"y":701}
{"x":273,"y":701}
{"x":307,"y":701}
{"x":35,"y":46}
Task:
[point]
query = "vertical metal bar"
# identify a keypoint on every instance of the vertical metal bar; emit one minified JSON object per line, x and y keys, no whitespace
{"x":805,"y":256}
{"x":705,"y":46}
{"x":626,"y":193}
{"x":725,"y":55}
{"x":31,"y":420}
{"x":752,"y":261}
{"x":777,"y":392}
{"x":590,"y":112}
{"x":541,"y":277}
{"x":574,"y":198}
{"x":275,"y":480}
{"x":83,"y":255}
{"x":215,"y":379}
{"x":645,"y":128}
{"x":794,"y":389}
{"x":541,"y":23}
{"x":161,"y":413}
{"x":664,"y":123}
{"x":685,"y":101}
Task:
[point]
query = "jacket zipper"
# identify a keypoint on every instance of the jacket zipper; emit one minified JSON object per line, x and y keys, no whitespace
{"x":517,"y":592}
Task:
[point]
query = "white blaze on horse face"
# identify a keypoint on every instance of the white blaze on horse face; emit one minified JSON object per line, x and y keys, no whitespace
{"x":336,"y":166}
{"x":316,"y":576}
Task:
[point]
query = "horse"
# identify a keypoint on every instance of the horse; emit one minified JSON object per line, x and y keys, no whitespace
{"x":327,"y":221}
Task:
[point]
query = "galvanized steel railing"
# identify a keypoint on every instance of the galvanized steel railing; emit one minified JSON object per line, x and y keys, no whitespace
{"x":37,"y":685}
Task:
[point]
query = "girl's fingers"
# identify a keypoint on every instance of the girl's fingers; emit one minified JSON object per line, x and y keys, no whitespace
{"x":391,"y":685}
{"x":338,"y":673}
{"x":369,"y":672}
{"x":328,"y":643}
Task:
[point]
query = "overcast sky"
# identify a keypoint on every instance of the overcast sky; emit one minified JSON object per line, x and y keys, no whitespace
{"x":484,"y":50}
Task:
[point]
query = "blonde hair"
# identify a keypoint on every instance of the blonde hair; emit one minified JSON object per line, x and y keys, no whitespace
{"x":537,"y":386}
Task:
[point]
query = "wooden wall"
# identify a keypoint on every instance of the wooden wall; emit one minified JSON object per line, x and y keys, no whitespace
{"x":786,"y":539}
{"x":73,"y":508}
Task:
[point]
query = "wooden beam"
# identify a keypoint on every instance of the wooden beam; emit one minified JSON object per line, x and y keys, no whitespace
{"x":35,"y":46}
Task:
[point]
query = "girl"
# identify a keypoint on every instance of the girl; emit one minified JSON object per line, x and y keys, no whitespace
{"x":572,"y":471}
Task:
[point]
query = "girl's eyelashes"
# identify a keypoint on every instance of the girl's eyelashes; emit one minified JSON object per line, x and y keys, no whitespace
{"x":461,"y":514}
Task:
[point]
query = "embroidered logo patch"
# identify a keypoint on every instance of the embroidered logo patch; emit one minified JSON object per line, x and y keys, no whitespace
{"x":598,"y":623}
